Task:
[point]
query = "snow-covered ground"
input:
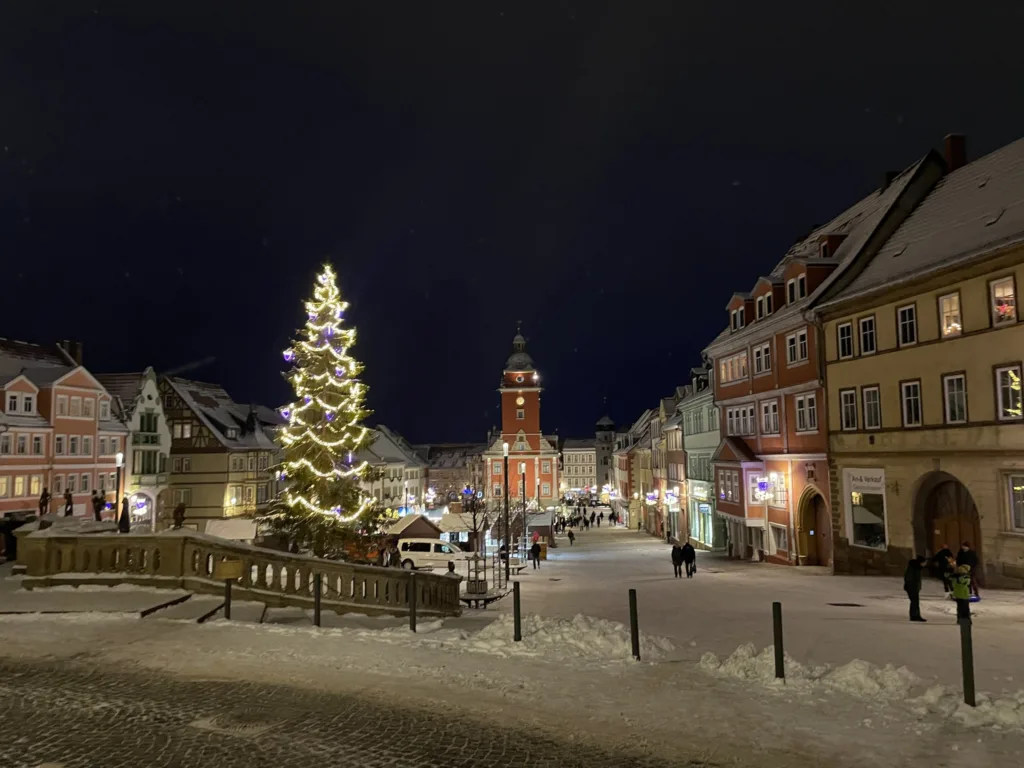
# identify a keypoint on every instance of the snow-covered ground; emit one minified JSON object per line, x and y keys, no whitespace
{"x":729,"y":604}
{"x":572,"y":679}
{"x":864,"y":684}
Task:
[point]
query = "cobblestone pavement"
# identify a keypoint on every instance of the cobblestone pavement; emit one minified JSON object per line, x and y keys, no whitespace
{"x":72,"y":715}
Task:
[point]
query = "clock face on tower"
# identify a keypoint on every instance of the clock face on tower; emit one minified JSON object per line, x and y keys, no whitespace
{"x":520,"y":400}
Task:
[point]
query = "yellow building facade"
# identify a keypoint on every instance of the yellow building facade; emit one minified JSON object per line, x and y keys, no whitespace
{"x":924,"y":351}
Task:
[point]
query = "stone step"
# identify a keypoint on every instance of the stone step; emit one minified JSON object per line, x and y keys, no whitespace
{"x":248,"y":611}
{"x":196,"y":608}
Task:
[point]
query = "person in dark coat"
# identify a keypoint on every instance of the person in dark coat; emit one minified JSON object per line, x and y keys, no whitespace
{"x":943,"y":564}
{"x":69,"y":504}
{"x":98,"y":503}
{"x":690,"y":558}
{"x":677,"y":561}
{"x":967,"y":556}
{"x":572,"y":537}
{"x":593,"y":517}
{"x":535,"y":554}
{"x":912,"y":586}
{"x":124,"y":524}
{"x":44,"y":502}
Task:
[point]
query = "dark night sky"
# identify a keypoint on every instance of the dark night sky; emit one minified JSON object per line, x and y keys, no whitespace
{"x":170,"y":178}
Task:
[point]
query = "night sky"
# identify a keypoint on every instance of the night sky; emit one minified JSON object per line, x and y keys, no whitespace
{"x":171,"y":176}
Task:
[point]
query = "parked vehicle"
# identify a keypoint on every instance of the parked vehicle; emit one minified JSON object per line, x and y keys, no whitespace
{"x":430,"y":553}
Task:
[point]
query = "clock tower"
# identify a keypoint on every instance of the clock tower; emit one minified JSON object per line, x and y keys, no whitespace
{"x":530,"y":453}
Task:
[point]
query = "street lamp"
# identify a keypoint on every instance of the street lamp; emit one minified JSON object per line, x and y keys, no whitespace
{"x":522,"y":475}
{"x":508,"y":552}
{"x":119,"y":461}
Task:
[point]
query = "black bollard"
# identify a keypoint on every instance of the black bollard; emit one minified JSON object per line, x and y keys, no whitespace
{"x":516,"y":615}
{"x":412,"y":601}
{"x":634,"y":625}
{"x":227,"y":599}
{"x":317,"y":581}
{"x":780,"y":655}
{"x":967,"y":660}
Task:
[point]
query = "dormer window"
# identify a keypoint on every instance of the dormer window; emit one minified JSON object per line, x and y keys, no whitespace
{"x":231,"y":433}
{"x":824,"y":250}
{"x":764,"y":306}
{"x":737,"y":319}
{"x":28,"y":404}
{"x":12,"y":403}
{"x":796,"y":289}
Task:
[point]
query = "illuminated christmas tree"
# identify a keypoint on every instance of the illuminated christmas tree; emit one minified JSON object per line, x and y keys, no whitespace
{"x":321,"y":507}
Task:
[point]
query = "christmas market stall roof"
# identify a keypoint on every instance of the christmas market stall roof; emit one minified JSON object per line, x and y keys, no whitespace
{"x":458,"y":522}
{"x":237,"y":427}
{"x":414,"y":527}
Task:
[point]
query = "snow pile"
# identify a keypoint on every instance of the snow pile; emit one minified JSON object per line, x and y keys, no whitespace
{"x":582,"y":637}
{"x":863,"y":680}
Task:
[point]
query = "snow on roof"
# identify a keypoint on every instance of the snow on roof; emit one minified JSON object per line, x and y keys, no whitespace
{"x":973,"y":209}
{"x":404,"y":523}
{"x":16,"y":356}
{"x":579,"y":444}
{"x":450,"y":455}
{"x":234,"y":529}
{"x":124,"y":388}
{"x":252,"y":425}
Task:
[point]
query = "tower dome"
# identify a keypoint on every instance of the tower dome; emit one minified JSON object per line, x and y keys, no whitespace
{"x":519,"y":360}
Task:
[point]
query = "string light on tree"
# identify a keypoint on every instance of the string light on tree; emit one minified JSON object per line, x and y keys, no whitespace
{"x":322,"y":501}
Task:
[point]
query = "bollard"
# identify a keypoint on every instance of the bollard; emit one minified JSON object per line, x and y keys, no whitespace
{"x":517,"y":616}
{"x":780,"y":655}
{"x":227,"y":599}
{"x":967,"y":660}
{"x":412,"y":601}
{"x":634,"y":626}
{"x":317,"y":581}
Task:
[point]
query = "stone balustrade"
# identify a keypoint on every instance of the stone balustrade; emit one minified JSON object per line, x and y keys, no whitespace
{"x":185,"y":559}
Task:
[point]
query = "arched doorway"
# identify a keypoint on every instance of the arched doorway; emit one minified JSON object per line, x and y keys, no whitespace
{"x":814,"y":529}
{"x":945,"y":514}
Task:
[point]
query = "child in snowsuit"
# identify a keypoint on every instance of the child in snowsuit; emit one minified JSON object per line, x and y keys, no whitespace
{"x":962,"y":592}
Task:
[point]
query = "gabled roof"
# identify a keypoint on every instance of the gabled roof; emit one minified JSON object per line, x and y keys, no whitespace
{"x":975,"y":209}
{"x":124,"y":389}
{"x":17,"y":355}
{"x":213,"y":406}
{"x":450,"y":455}
{"x":731,"y":449}
{"x":605,"y":422}
{"x":403,"y":445}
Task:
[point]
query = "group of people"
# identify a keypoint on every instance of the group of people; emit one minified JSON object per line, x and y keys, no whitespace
{"x":684,"y":555}
{"x":580,"y":519}
{"x":958,"y":575}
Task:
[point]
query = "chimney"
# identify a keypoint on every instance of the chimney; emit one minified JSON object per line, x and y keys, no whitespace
{"x":72,"y":349}
{"x":956,"y":151}
{"x":887,"y":179}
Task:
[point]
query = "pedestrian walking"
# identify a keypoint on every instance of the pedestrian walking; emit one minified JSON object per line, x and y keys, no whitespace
{"x":69,"y":503}
{"x":639,"y":525}
{"x":44,"y":502}
{"x":689,"y":558}
{"x":912,"y":586}
{"x":593,"y":517}
{"x":572,"y":537}
{"x":98,"y":503}
{"x":962,"y":593}
{"x":967,"y":556}
{"x":677,"y":561}
{"x":535,"y":554}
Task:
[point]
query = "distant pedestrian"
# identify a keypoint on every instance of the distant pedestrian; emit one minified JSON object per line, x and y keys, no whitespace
{"x":677,"y":561}
{"x":69,"y":503}
{"x":912,"y":586}
{"x":962,"y":593}
{"x":639,"y":525}
{"x":593,"y":517}
{"x":44,"y":502}
{"x":572,"y":537}
{"x":98,"y":503}
{"x":535,"y":554}
{"x":967,"y":556}
{"x":690,"y":559}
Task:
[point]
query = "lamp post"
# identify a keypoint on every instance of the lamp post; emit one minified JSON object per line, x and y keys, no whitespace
{"x":522,"y":475}
{"x":119,"y":461}
{"x":508,"y":552}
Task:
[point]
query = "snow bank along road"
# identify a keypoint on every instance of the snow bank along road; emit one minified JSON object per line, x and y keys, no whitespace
{"x":728,"y":604}
{"x":112,"y":690}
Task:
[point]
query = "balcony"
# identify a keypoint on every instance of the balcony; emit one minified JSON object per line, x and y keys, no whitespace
{"x":150,"y":480}
{"x":145,"y":438}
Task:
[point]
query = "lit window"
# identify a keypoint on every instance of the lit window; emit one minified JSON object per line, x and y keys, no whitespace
{"x":1016,"y":502}
{"x":949,"y":315}
{"x":1008,"y":393}
{"x":1004,"y":301}
{"x":186,"y":430}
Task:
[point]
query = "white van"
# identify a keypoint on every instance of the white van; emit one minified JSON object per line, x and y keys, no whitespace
{"x":430,"y":553}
